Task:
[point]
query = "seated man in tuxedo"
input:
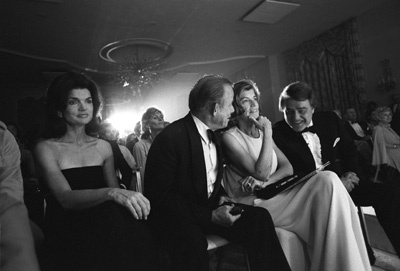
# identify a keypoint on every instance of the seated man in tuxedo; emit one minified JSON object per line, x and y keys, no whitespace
{"x":310,"y":139}
{"x":358,"y":130}
{"x":183,"y":183}
{"x":361,"y":134}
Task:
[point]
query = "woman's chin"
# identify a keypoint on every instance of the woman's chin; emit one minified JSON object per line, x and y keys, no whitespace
{"x":254,"y":115}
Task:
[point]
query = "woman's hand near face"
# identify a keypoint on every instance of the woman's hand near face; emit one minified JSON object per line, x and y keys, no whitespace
{"x":264,"y":124}
{"x":136,"y":203}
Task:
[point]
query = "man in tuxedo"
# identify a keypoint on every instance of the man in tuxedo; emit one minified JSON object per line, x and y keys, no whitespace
{"x":361,"y":134}
{"x":310,"y":139}
{"x":358,"y":130}
{"x":183,"y":183}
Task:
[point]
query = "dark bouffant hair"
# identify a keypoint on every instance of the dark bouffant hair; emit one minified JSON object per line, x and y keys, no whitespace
{"x":56,"y":101}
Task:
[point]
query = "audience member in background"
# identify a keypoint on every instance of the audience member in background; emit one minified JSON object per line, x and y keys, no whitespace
{"x":306,"y":209}
{"x":16,"y":241}
{"x":152,"y":125}
{"x":338,"y":113}
{"x":33,"y":197}
{"x":386,"y":141}
{"x":91,"y":224}
{"x":329,"y":141}
{"x":138,"y":129}
{"x":134,"y":137}
{"x":131,"y":140}
{"x":369,"y":114}
{"x":361,"y":134}
{"x":395,"y":107}
{"x":357,"y":129}
{"x":124,"y":163}
{"x":183,"y":181}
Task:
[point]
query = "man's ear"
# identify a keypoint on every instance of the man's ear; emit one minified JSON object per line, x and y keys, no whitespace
{"x":214,"y":109}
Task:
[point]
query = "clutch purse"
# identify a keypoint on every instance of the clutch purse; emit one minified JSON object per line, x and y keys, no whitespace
{"x":285,"y":184}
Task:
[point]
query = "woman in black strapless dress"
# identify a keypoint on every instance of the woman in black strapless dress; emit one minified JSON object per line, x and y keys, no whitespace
{"x":90,"y":223}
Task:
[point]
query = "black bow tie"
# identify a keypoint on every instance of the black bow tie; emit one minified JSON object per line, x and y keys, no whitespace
{"x":310,"y":129}
{"x":211,"y":136}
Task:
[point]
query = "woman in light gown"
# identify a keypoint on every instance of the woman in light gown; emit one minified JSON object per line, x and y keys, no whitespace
{"x":320,"y":211}
{"x":386,"y":140}
{"x":90,"y":223}
{"x":152,"y":124}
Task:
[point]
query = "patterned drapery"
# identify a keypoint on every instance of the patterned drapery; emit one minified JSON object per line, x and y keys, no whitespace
{"x":331,"y":64}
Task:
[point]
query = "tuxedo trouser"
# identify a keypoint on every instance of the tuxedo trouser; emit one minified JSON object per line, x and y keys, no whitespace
{"x":186,"y":241}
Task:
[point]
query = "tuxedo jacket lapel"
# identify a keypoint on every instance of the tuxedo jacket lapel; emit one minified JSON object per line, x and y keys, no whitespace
{"x":304,"y":150}
{"x":298,"y":153}
{"x":327,"y":136}
{"x":196,"y":148}
{"x":199,"y":166}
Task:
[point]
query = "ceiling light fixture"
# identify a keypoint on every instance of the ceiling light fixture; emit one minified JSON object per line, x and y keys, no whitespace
{"x":270,"y":12}
{"x":137,"y":62}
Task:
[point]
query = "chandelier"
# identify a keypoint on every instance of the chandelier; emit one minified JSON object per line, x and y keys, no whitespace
{"x":137,"y":75}
{"x":137,"y":63}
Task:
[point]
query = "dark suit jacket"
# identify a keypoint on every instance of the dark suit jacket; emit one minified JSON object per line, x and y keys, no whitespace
{"x":329,"y":128}
{"x":175,"y":178}
{"x":353,"y":133}
{"x":395,"y":124}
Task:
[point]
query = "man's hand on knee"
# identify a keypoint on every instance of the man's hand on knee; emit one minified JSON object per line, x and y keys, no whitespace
{"x":223,"y":217}
{"x":350,"y":180}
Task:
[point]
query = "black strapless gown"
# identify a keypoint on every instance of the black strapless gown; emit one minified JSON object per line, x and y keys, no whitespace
{"x":105,"y":237}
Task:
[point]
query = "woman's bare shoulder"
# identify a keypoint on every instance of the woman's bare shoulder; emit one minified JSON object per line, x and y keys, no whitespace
{"x":228,"y":137}
{"x":46,"y":150}
{"x":46,"y":144}
{"x":103,"y":146}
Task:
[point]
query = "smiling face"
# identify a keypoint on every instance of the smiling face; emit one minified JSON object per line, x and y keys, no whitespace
{"x":79,"y":107}
{"x":298,"y":114}
{"x":249,"y":103}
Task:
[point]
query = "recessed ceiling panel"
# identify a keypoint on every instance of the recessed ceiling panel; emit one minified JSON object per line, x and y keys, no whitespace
{"x":51,"y":1}
{"x":269,"y":12}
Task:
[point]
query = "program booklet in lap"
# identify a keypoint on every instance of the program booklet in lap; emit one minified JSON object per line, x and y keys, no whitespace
{"x":286,"y":183}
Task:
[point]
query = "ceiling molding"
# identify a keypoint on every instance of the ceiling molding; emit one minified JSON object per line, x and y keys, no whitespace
{"x":215,"y":61}
{"x":141,"y":49}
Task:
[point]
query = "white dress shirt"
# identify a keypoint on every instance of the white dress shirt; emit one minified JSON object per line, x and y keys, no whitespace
{"x":357,"y":128}
{"x":210,"y":155}
{"x":314,"y":144}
